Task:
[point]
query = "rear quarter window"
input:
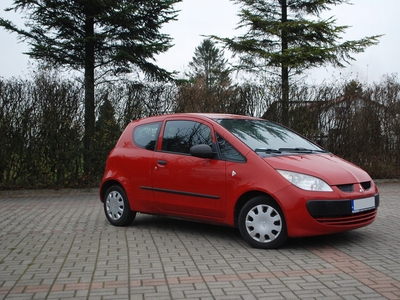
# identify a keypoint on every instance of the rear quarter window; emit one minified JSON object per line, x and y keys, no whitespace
{"x":145,"y":136}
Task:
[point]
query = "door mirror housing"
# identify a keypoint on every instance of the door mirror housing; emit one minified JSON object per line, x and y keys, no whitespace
{"x":202,"y":151}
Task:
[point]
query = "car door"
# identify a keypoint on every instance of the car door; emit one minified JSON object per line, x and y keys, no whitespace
{"x":184,"y":184}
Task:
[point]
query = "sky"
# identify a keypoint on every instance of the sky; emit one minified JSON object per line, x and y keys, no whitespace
{"x":199,"y":18}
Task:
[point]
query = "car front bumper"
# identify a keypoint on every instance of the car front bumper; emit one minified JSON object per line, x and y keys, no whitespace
{"x":310,"y":213}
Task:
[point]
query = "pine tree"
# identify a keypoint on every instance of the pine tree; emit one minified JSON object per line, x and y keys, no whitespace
{"x":107,"y":133}
{"x":208,"y":87}
{"x":280,"y":39}
{"x":209,"y":64}
{"x":111,"y":36}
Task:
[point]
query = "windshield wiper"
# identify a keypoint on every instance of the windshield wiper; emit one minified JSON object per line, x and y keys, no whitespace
{"x":293,"y":150}
{"x":267,"y":150}
{"x":301,"y":150}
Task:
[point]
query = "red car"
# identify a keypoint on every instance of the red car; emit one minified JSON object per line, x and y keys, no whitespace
{"x":238,"y":171}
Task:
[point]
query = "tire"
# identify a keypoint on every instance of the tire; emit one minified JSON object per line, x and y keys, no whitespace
{"x":116,"y":207}
{"x":262,"y":223}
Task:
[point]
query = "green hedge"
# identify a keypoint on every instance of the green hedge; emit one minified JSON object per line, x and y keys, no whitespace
{"x":41,"y":122}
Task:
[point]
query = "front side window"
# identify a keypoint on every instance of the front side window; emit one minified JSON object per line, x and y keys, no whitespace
{"x":145,"y":136}
{"x":228,"y":152}
{"x":180,"y":136}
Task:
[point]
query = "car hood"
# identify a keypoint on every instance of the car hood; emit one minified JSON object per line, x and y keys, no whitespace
{"x":332,"y":169}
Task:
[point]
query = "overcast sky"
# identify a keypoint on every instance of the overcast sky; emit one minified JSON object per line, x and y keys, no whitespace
{"x":219,"y":17}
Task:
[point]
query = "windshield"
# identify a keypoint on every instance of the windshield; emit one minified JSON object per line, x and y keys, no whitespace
{"x":268,"y":137}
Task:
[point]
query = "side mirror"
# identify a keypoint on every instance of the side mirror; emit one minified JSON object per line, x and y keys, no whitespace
{"x":202,"y":151}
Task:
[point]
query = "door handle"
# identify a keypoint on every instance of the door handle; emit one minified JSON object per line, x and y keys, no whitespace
{"x":162,"y":162}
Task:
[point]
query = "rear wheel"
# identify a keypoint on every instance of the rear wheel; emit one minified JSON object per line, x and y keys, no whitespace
{"x":262,"y":223}
{"x":116,"y":207}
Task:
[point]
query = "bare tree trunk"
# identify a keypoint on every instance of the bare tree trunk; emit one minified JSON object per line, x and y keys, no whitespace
{"x":89,"y":96}
{"x":284,"y":70}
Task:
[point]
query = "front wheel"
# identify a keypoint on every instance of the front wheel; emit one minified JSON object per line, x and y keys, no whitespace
{"x":262,"y":223}
{"x":116,"y":207}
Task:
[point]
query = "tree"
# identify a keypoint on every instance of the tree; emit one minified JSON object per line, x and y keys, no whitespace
{"x":281,"y":40}
{"x":209,"y":64}
{"x":208,"y":89}
{"x":111,"y":36}
{"x":107,"y":133}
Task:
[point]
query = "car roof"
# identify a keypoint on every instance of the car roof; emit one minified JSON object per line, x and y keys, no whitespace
{"x":204,"y":115}
{"x":221,"y":116}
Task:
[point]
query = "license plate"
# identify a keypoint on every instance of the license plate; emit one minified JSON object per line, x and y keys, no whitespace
{"x":362,"y":204}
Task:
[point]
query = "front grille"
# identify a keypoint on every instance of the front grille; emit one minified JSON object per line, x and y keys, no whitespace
{"x":347,"y":188}
{"x":355,"y":219}
{"x":366,"y":185}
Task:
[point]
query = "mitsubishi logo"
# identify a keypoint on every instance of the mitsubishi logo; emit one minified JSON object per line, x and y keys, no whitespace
{"x":361,"y":188}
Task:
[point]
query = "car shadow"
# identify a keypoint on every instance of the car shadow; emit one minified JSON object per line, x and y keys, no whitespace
{"x":186,"y":227}
{"x":217,"y":233}
{"x":336,"y":240}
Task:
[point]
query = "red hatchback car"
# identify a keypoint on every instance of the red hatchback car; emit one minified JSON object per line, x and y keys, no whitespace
{"x":238,"y":171}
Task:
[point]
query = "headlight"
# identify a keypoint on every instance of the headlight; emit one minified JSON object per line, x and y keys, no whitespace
{"x":306,"y":182}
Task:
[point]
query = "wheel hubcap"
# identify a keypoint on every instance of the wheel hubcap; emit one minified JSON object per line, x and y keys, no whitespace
{"x":115,"y":205}
{"x":263,"y":223}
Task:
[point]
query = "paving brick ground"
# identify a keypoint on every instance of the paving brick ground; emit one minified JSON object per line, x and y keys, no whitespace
{"x":59,"y":245}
